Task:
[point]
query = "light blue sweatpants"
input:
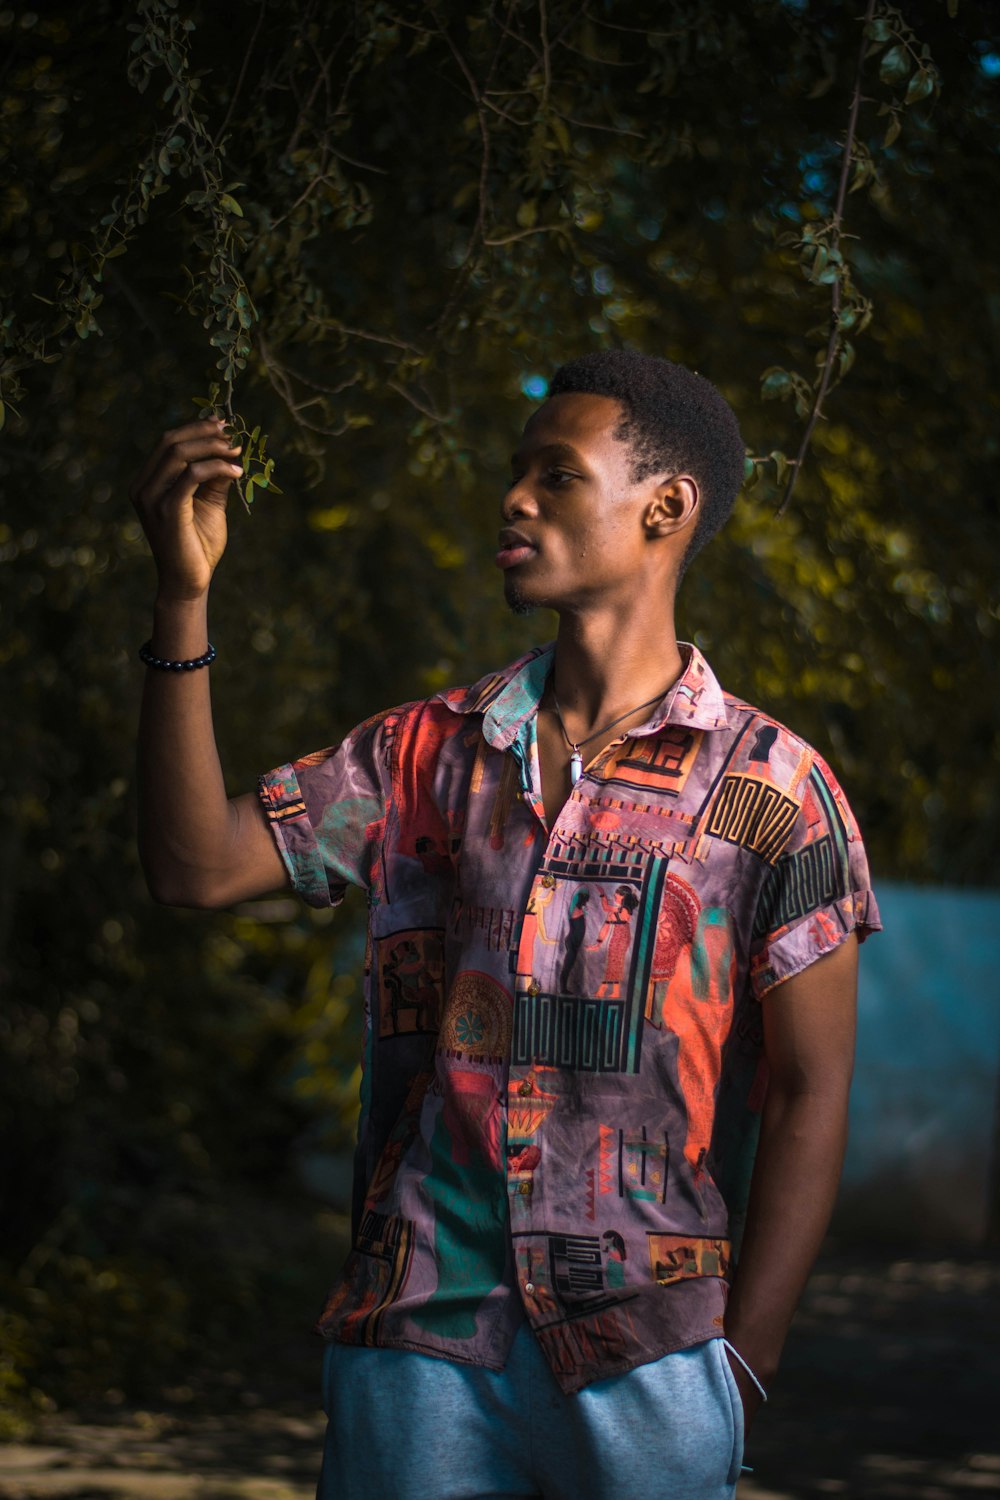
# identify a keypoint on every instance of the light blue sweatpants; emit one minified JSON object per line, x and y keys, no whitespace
{"x":405,"y":1426}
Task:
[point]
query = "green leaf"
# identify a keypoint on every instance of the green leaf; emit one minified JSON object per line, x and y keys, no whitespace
{"x":864,"y":171}
{"x":775,"y":383}
{"x":230,"y":205}
{"x":561,"y":134}
{"x":892,"y":130}
{"x":921,"y":84}
{"x":895,"y":65}
{"x":248,"y":492}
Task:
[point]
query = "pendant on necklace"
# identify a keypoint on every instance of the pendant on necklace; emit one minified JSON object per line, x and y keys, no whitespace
{"x":575,"y":767}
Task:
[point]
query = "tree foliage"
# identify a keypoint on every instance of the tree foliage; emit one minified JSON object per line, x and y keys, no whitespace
{"x":368,"y":231}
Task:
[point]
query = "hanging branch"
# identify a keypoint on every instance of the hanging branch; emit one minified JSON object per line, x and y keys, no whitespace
{"x":795,"y":467}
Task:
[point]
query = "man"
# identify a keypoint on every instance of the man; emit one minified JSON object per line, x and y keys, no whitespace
{"x":559,"y":1285}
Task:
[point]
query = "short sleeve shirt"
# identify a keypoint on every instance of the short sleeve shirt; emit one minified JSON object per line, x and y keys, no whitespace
{"x":563,"y":1064}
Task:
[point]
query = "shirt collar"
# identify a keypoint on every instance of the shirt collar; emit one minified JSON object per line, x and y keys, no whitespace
{"x":508,"y":698}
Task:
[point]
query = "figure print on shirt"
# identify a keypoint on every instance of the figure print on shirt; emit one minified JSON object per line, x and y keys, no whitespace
{"x":616,"y":934}
{"x":410,"y":981}
{"x":533,"y":929}
{"x":577,"y":925}
{"x":675,"y":924}
{"x":615,"y":1258}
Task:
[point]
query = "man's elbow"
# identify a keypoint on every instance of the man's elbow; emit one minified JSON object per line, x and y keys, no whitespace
{"x":196,"y":894}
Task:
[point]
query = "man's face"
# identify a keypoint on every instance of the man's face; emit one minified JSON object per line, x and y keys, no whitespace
{"x":573,"y":531}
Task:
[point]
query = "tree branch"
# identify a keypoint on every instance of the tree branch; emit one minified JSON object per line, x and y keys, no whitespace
{"x":428,"y":411}
{"x":240,"y":80}
{"x":838,"y":214}
{"x":543,"y":29}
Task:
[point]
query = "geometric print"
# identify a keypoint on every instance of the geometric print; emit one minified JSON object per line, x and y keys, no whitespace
{"x":562,"y":1058}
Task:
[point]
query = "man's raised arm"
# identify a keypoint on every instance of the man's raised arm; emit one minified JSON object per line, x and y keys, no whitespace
{"x":197,"y":846}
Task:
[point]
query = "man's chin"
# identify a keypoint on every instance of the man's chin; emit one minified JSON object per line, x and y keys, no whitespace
{"x":517,"y":602}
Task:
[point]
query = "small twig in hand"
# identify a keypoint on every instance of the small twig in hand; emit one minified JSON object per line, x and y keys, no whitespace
{"x":838,"y":213}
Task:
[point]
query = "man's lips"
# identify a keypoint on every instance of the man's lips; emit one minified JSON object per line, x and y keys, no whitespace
{"x":514,"y":549}
{"x":512,"y":554}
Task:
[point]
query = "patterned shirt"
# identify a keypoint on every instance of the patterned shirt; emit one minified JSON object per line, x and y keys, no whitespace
{"x":563,"y":1069}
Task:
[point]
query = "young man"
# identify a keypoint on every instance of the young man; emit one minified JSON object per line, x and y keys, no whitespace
{"x":612,"y":971}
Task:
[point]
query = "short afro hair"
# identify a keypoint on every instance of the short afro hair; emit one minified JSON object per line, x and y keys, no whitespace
{"x":675,"y":422}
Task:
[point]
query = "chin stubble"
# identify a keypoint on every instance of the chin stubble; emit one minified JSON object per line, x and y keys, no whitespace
{"x":516,"y":601}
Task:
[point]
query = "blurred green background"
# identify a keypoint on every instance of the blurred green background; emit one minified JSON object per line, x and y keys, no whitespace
{"x":385,"y":225}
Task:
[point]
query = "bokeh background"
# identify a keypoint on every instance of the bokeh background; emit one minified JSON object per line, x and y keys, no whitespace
{"x":371,"y":231}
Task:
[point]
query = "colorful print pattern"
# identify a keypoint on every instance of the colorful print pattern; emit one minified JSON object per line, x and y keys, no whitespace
{"x":563,"y":1051}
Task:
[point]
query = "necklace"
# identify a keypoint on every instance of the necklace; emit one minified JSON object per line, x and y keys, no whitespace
{"x":576,"y":759}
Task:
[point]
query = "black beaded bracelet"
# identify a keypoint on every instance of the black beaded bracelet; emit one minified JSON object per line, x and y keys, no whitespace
{"x":146,"y":655}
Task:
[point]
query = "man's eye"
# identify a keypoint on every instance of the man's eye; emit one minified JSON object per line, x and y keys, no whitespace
{"x":560,"y":476}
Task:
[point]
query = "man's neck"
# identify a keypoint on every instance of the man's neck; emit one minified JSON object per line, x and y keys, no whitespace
{"x":609,"y":661}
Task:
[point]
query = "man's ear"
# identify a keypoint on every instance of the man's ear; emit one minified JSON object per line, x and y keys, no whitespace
{"x":673,"y":506}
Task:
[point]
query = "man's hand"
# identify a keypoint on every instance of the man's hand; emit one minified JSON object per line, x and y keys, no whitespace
{"x":180,"y":496}
{"x":198,"y":848}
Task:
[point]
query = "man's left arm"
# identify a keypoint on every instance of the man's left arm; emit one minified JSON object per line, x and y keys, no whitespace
{"x":809,"y":1027}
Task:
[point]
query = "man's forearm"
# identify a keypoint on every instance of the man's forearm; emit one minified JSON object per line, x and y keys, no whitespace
{"x":794,"y":1185}
{"x":185,"y":818}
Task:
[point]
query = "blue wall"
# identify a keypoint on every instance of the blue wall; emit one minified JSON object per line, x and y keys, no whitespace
{"x":924,"y":1102}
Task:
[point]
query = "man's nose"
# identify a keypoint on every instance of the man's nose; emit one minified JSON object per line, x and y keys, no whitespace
{"x":518,"y":501}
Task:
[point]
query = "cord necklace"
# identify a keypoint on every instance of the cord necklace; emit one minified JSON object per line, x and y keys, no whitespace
{"x":576,"y":759}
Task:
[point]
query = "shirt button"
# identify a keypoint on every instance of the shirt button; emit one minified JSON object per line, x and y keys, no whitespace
{"x":524,"y":1188}
{"x":529,"y":1287}
{"x":533,"y":987}
{"x":548,"y":881}
{"x":524,"y":1089}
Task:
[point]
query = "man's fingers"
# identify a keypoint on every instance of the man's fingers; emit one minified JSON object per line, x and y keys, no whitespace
{"x":213,"y":476}
{"x":203,"y":428}
{"x":197,"y":436}
{"x":181,"y":458}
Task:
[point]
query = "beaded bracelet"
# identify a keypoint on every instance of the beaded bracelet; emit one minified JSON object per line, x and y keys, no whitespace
{"x":146,"y":656}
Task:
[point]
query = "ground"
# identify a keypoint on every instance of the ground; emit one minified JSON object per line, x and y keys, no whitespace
{"x":888,"y":1392}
